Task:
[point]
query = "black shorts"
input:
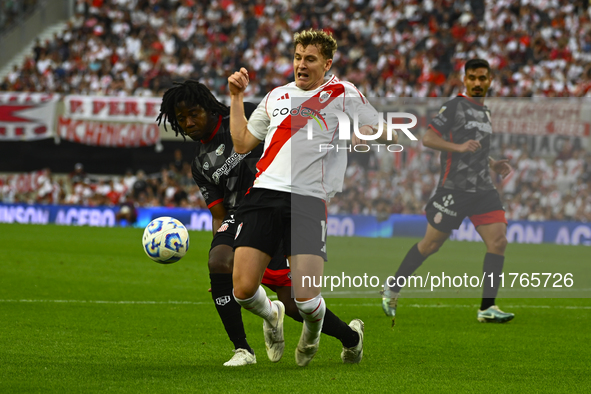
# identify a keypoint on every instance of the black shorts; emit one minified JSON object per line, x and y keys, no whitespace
{"x":277,"y":272}
{"x":447,"y":208}
{"x":268,"y":217}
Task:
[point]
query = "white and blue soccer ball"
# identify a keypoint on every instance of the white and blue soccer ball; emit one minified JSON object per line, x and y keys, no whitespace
{"x":165,"y":240}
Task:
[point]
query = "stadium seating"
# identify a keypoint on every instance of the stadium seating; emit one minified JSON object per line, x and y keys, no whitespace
{"x":388,"y":48}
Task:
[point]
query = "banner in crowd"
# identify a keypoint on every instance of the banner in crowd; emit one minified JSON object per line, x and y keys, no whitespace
{"x":566,"y":117}
{"x":544,"y":125}
{"x":22,"y":183}
{"x":27,"y":116}
{"x":570,"y":117}
{"x":112,"y":109}
{"x":98,"y":133}
{"x":122,"y":122}
{"x":553,"y":232}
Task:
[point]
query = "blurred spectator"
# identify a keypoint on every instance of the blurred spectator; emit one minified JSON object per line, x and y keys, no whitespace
{"x":140,"y":186}
{"x":127,"y":213}
{"x":78,"y":174}
{"x":49,"y":191}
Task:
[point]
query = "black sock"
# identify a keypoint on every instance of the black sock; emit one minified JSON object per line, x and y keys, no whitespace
{"x":335,"y":327}
{"x":493,"y":263}
{"x":228,"y":309}
{"x":412,"y":261}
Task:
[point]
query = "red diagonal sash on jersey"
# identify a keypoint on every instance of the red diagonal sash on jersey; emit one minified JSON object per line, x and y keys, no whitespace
{"x":292,"y":124}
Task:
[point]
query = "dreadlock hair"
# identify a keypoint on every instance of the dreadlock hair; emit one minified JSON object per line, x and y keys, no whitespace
{"x":190,"y":92}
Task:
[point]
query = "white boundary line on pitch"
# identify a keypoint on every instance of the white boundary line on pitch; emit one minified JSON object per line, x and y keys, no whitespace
{"x":472,"y":306}
{"x":109,"y":302}
{"x":24,"y":301}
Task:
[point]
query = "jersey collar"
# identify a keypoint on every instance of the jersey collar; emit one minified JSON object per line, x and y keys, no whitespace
{"x":471,"y":99}
{"x":327,"y":80}
{"x":205,"y":141}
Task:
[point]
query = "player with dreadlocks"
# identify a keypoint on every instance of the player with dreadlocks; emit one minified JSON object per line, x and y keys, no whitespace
{"x":224,"y":177}
{"x":204,"y":102}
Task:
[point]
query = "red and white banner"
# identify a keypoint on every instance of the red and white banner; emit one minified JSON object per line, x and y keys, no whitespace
{"x":27,"y":116}
{"x":20,"y":183}
{"x":113,"y":109}
{"x":108,"y":134}
{"x":567,"y":117}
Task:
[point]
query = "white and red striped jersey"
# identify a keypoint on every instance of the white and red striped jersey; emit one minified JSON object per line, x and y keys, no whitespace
{"x":295,"y":160}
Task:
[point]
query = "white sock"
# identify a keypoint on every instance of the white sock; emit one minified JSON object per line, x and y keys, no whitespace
{"x":313,"y":313}
{"x":259,"y":304}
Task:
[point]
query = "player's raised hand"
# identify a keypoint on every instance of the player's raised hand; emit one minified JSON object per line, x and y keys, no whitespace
{"x":238,"y":81}
{"x":372,"y":130}
{"x":363,"y":130}
{"x":501,"y":167}
{"x":469,"y":146}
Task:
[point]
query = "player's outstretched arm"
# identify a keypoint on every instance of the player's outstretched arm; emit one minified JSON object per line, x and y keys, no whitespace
{"x":434,"y":141}
{"x":501,"y":167}
{"x":243,"y":140}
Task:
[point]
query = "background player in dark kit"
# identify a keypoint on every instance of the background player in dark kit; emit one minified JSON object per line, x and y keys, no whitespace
{"x":462,"y":131}
{"x":223,"y":177}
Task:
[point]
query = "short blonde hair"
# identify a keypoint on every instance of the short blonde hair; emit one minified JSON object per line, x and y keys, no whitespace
{"x":324,"y":41}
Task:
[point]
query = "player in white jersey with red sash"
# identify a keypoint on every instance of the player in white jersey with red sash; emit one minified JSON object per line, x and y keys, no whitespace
{"x":295,"y":178}
{"x":294,"y":161}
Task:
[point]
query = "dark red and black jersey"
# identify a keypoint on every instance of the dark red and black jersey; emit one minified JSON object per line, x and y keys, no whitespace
{"x":459,"y":120}
{"x":224,"y":176}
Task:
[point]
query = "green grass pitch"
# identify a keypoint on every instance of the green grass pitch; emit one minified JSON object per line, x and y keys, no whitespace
{"x":84,"y":310}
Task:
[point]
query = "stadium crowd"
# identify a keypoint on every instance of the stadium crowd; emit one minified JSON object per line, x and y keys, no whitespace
{"x":387,"y":48}
{"x":536,"y":190}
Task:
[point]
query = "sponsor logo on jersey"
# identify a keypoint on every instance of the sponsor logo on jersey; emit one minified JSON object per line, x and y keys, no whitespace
{"x":324,"y":96}
{"x":448,"y":200}
{"x":444,"y":209}
{"x":221,"y":301}
{"x":223,"y":227}
{"x":303,"y":111}
{"x":479,"y":115}
{"x":442,"y":109}
{"x":206,"y":166}
{"x":228,"y":165}
{"x":220,"y":150}
{"x":484,"y":127}
{"x":284,"y":97}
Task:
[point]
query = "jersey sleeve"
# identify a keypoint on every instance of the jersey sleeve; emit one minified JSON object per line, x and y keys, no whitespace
{"x":356,"y":103}
{"x":443,"y":122}
{"x":259,"y":121}
{"x":212,"y":194}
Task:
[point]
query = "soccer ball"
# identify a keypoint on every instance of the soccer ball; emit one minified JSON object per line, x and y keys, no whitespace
{"x":165,"y":240}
